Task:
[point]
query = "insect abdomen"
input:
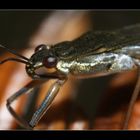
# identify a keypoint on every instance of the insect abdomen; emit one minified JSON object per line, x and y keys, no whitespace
{"x":100,"y":64}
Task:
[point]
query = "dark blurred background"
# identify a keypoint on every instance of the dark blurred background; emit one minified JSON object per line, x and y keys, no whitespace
{"x":17,"y":26}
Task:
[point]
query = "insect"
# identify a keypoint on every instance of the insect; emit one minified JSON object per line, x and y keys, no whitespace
{"x":95,"y":53}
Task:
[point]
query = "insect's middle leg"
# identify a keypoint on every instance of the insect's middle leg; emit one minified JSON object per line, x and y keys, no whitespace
{"x":132,"y":101}
{"x":52,"y":92}
{"x":27,"y":89}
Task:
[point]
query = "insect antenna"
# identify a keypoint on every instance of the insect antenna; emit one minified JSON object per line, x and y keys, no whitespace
{"x":13,"y":59}
{"x":25,"y":60}
{"x":15,"y":53}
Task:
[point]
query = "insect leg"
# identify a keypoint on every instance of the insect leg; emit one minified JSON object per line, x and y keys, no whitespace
{"x":52,"y":92}
{"x":132,"y":101}
{"x":27,"y":89}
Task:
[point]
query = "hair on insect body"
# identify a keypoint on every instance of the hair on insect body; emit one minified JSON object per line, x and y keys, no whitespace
{"x":95,"y":53}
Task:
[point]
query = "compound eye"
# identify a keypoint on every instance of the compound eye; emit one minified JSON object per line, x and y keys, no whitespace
{"x":40,"y":47}
{"x":50,"y":61}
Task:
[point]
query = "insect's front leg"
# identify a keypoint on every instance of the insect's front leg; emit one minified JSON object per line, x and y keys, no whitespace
{"x":27,"y":89}
{"x":52,"y":92}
